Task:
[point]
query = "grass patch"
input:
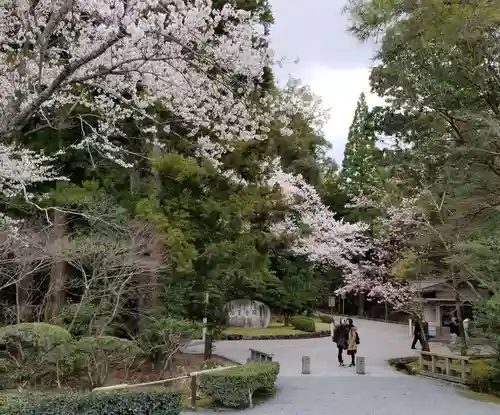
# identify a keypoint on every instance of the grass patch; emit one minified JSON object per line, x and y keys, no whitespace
{"x":320,"y":325}
{"x":271,"y":330}
{"x":477,"y":396}
{"x":274,"y":329}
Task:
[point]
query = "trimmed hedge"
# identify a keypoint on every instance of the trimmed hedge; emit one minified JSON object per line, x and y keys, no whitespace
{"x":301,"y":323}
{"x":235,"y":387}
{"x":98,"y":403}
{"x":326,"y":319}
{"x":291,"y":336}
{"x":405,"y":364}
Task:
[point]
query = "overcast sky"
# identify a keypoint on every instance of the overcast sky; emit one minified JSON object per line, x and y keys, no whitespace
{"x":331,"y":61}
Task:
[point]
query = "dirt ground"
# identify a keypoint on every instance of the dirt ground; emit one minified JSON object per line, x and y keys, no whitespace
{"x":181,"y":364}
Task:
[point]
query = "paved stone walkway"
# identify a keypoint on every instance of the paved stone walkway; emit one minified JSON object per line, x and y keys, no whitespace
{"x":330,"y":388}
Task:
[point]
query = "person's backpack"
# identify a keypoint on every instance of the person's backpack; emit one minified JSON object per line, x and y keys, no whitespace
{"x":357,"y":338}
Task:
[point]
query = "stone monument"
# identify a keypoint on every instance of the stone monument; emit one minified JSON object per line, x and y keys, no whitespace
{"x":248,"y":313}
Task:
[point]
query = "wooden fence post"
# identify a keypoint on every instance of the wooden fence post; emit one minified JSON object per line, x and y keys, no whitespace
{"x":193,"y":391}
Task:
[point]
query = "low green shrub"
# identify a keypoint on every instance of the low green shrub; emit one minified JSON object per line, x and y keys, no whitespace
{"x":235,"y":387}
{"x":162,"y":336}
{"x":485,"y":376}
{"x":97,"y":403}
{"x":326,"y":319}
{"x":405,"y":364}
{"x":5,"y":375}
{"x":94,"y":356}
{"x":33,"y":352}
{"x":302,"y":323}
{"x":83,"y":319}
{"x":9,"y":403}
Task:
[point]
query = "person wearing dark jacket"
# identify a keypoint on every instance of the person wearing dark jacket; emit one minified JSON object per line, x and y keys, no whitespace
{"x":341,"y":336}
{"x":417,"y":334}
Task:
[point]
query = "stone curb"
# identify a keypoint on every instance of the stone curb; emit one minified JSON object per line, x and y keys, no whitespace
{"x":355,"y":317}
{"x":315,"y":335}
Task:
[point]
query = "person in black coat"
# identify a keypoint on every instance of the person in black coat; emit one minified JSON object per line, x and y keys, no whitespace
{"x":417,"y":334}
{"x":340,"y":336}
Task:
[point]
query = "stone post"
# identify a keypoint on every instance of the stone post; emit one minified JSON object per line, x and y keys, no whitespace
{"x":360,"y":365}
{"x":306,"y":365}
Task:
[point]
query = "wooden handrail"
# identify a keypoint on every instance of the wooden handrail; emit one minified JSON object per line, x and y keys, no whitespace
{"x":448,"y":356}
{"x":257,"y":355}
{"x":192,"y":375}
{"x":441,"y":366}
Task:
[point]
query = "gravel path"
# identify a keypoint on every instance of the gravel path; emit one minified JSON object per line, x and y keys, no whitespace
{"x":401,"y":395}
{"x":330,"y":388}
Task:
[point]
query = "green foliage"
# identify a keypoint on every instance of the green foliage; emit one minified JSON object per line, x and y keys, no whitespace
{"x":405,"y":364}
{"x":161,"y":336}
{"x":95,"y":356}
{"x":5,"y":375}
{"x":33,"y":351}
{"x":98,"y":403}
{"x":302,"y":323}
{"x":326,"y":319}
{"x":485,"y":376}
{"x":487,"y":317}
{"x":81,"y":320}
{"x":359,"y":175}
{"x":235,"y":387}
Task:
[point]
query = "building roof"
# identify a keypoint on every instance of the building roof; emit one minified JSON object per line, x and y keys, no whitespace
{"x":427,"y":285}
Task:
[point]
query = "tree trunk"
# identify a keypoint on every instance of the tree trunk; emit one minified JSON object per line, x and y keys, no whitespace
{"x":287,"y":319}
{"x":23,"y":298}
{"x":149,"y":295}
{"x":208,"y":347}
{"x":461,"y":332}
{"x":423,"y":336}
{"x":361,"y":304}
{"x":57,"y":285}
{"x":135,"y":180}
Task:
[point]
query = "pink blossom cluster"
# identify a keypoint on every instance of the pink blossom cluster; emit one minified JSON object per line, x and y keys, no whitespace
{"x":395,"y":226}
{"x":120,"y":59}
{"x":316,"y":233}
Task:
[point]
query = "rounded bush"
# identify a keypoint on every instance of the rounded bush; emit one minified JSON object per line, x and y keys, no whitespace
{"x":87,"y":322}
{"x":95,"y":355}
{"x":234,"y":387}
{"x":34,"y":351}
{"x":326,"y":319}
{"x":301,"y":323}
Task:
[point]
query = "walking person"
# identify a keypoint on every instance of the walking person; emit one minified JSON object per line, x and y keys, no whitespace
{"x":417,"y":334}
{"x":340,"y":336}
{"x":352,"y":344}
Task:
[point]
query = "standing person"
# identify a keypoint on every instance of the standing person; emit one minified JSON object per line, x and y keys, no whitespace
{"x":417,"y":334}
{"x":352,"y":344}
{"x":340,"y":336}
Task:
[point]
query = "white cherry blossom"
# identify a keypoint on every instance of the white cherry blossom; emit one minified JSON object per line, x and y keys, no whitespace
{"x":121,"y":58}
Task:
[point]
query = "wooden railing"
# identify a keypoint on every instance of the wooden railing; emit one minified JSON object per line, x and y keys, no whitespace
{"x":258,"y":356}
{"x":452,"y":368}
{"x":193,"y":389}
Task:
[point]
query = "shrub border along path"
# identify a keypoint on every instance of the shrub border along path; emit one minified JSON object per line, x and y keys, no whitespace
{"x":291,"y":336}
{"x":305,"y":327}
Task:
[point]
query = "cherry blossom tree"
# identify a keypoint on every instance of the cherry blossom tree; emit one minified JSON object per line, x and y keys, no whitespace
{"x":118,"y":59}
{"x":394,"y":227}
{"x":313,"y":228}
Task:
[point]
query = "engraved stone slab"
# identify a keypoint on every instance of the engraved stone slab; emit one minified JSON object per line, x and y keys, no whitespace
{"x":248,"y":313}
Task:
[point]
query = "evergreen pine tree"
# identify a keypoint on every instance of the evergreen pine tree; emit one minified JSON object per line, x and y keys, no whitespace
{"x":359,"y":174}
